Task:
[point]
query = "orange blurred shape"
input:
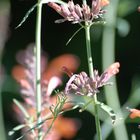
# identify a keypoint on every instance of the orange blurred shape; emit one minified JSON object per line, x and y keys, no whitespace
{"x":134,"y":113}
{"x":64,"y":127}
{"x":18,"y":72}
{"x":104,"y":3}
{"x":55,"y":66}
{"x":67,"y":127}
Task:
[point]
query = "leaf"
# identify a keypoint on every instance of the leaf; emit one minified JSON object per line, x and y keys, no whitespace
{"x":16,"y":129}
{"x":20,"y":106}
{"x":85,"y":105}
{"x":27,"y":15}
{"x":33,"y":7}
{"x":74,"y":35}
{"x":108,"y":110}
{"x":133,"y":136}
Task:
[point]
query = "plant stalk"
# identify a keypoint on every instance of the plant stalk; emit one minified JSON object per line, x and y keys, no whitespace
{"x":90,"y":66}
{"x":38,"y":67}
{"x":108,"y":57}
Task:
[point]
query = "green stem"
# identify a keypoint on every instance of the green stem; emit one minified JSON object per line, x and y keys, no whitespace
{"x":108,"y":57}
{"x":90,"y":66}
{"x":38,"y":67}
{"x":49,"y":128}
{"x":89,"y":54}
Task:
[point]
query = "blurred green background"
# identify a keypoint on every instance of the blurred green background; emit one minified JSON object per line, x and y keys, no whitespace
{"x":54,"y":38}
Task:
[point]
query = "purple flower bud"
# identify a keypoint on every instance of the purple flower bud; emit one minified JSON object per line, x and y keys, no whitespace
{"x":77,"y":14}
{"x":71,"y":6}
{"x":78,"y":10}
{"x":81,"y":84}
{"x":86,"y":13}
{"x":65,"y":11}
{"x":96,"y":6}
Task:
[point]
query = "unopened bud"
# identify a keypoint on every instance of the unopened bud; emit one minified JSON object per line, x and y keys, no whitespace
{"x":71,"y":6}
{"x":78,"y":10}
{"x":65,"y":11}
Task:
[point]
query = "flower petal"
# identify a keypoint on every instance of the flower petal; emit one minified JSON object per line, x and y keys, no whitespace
{"x":104,"y":3}
{"x":109,"y":72}
{"x":55,"y":67}
{"x":134,"y":113}
{"x":53,"y":83}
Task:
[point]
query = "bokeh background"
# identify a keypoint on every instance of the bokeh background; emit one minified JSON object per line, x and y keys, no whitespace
{"x":54,"y":38}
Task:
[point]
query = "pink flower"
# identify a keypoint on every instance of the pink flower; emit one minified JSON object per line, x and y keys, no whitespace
{"x":77,"y":14}
{"x":24,"y":74}
{"x":82,"y":84}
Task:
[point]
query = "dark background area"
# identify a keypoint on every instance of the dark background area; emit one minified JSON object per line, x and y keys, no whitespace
{"x":54,"y":38}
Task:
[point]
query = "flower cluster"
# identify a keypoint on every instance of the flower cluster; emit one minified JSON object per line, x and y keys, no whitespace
{"x":77,"y":14}
{"x":82,"y":84}
{"x":51,"y":105}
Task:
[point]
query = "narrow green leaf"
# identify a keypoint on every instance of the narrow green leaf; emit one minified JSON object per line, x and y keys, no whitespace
{"x":10,"y":133}
{"x":20,"y":106}
{"x":108,"y":110}
{"x":133,"y":137}
{"x":16,"y":129}
{"x":19,"y":127}
{"x":20,"y":137}
{"x":33,"y":7}
{"x":27,"y":15}
{"x":85,"y":105}
{"x":74,"y":35}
